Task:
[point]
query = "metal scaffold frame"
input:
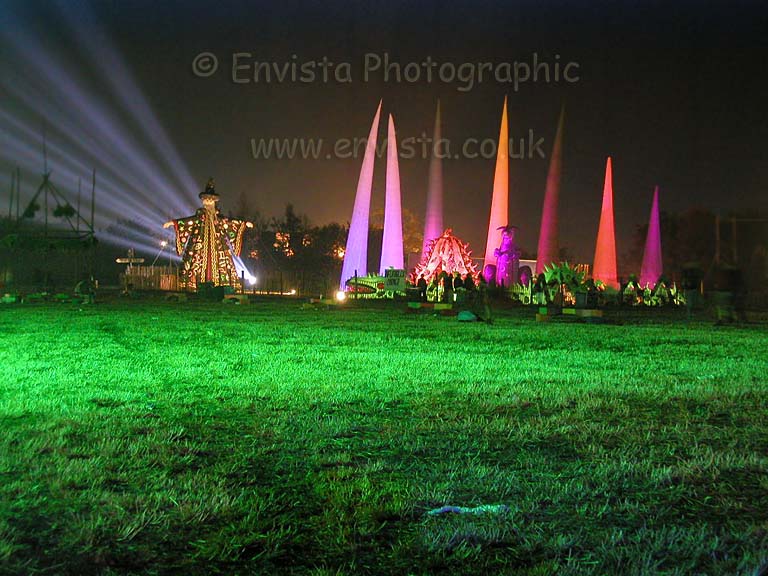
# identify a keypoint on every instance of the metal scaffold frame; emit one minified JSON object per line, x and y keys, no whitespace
{"x":72,"y":233}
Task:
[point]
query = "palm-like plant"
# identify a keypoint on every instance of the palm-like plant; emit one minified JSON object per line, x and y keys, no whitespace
{"x":564,"y":274}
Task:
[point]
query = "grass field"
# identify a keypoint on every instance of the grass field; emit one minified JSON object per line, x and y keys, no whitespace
{"x":154,"y":438}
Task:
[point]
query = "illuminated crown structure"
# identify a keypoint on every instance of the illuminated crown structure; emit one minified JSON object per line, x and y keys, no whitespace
{"x":446,"y":253}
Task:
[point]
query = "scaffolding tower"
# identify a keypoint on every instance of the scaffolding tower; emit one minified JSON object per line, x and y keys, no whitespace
{"x":62,"y":238}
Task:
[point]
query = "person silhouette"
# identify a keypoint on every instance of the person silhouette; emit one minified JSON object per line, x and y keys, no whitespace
{"x":422,"y":286}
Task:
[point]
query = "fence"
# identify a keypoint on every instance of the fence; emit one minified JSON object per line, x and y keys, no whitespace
{"x":151,"y":278}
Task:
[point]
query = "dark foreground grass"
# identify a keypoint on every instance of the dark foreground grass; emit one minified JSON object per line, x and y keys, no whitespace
{"x":269,"y":439}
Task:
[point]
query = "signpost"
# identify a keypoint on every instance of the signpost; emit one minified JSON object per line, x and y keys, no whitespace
{"x":130,"y":260}
{"x":394,"y":281}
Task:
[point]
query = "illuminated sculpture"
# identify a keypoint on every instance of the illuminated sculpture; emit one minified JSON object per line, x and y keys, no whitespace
{"x":500,"y":200}
{"x":652,"y":265}
{"x":507,"y":257}
{"x":208,"y":243}
{"x":433,"y":219}
{"x":447,"y":253}
{"x":548,"y":251}
{"x":356,"y":251}
{"x":392,"y":242}
{"x":605,"y":251}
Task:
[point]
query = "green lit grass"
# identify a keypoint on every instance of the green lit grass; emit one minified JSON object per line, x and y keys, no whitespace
{"x":197,"y":439}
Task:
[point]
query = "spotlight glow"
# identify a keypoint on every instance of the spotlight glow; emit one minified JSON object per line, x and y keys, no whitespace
{"x":140,"y":176}
{"x":242,"y":271}
{"x":103,"y":54}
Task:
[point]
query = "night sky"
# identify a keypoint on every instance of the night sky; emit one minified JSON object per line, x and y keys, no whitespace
{"x":675,"y":92}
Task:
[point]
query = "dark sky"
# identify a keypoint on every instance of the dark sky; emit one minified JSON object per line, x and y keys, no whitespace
{"x":675,"y":92}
